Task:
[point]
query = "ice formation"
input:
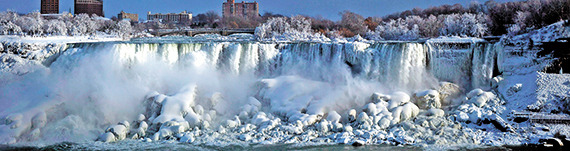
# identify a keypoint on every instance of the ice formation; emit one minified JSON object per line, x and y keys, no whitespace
{"x":251,"y":92}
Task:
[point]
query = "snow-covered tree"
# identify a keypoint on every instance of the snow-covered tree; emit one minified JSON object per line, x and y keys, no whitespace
{"x":301,"y":24}
{"x":431,"y":26}
{"x":10,"y":28}
{"x":471,"y":25}
{"x":124,"y":28}
{"x":295,"y":28}
{"x":398,"y":30}
{"x":55,"y":27}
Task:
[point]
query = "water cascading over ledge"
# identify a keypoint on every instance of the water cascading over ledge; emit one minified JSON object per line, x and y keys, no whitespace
{"x":400,"y":65}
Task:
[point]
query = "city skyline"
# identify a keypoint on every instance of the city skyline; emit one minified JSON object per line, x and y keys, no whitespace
{"x":326,"y":8}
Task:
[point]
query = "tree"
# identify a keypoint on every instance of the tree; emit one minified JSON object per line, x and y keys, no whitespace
{"x":55,"y":27}
{"x":398,"y":30}
{"x":208,"y":19}
{"x":354,"y":23}
{"x":10,"y":28}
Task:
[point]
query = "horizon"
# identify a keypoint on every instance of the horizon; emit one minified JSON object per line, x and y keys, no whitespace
{"x":313,"y":8}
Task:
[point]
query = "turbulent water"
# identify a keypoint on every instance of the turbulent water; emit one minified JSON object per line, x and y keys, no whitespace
{"x":91,"y":86}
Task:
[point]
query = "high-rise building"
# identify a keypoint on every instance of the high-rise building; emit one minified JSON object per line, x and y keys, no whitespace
{"x":182,"y":18}
{"x":89,"y":7}
{"x":231,"y":8}
{"x":50,"y":7}
{"x":129,"y":16}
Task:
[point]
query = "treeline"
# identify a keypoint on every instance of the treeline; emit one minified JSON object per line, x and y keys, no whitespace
{"x":473,"y":20}
{"x":33,"y":24}
{"x":505,"y":17}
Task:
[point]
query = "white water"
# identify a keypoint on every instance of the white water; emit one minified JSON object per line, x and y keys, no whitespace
{"x":94,"y":85}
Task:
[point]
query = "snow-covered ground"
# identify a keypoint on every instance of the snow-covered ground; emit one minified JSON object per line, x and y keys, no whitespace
{"x":221,"y":91}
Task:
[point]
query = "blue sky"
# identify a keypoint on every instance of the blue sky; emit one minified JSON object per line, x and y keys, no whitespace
{"x":326,"y":8}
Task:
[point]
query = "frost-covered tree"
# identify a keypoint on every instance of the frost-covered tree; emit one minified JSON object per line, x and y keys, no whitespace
{"x":124,"y":28}
{"x":431,"y":26}
{"x":398,"y":30}
{"x":465,"y":25}
{"x":300,"y":24}
{"x":10,"y":28}
{"x":55,"y":27}
{"x":295,"y":28}
{"x":81,"y":25}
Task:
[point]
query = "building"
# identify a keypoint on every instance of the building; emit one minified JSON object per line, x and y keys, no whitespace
{"x":50,"y":7}
{"x":230,"y":8}
{"x":89,"y":7}
{"x":181,"y":18}
{"x":128,"y":16}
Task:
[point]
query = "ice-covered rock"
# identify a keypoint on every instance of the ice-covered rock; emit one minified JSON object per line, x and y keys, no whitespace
{"x":435,"y":112}
{"x":141,"y":117}
{"x":384,"y":122}
{"x":119,"y":131}
{"x":175,"y":107}
{"x":397,"y":99}
{"x":428,"y":99}
{"x":496,"y":81}
{"x":106,"y":137}
{"x":363,"y":118}
{"x":323,"y":126}
{"x":348,"y":128}
{"x":405,"y":112}
{"x":187,"y":138}
{"x":514,"y":89}
{"x":370,"y":109}
{"x":379,"y":97}
{"x":448,"y":91}
{"x":333,"y":117}
{"x":351,"y":116}
{"x":480,"y":97}
{"x":244,"y":137}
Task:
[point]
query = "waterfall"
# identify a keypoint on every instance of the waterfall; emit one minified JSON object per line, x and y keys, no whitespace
{"x":100,"y":83}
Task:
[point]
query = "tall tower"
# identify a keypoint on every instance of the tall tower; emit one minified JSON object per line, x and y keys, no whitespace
{"x":50,"y":7}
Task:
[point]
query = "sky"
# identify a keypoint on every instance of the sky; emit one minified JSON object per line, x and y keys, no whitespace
{"x":326,"y":8}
